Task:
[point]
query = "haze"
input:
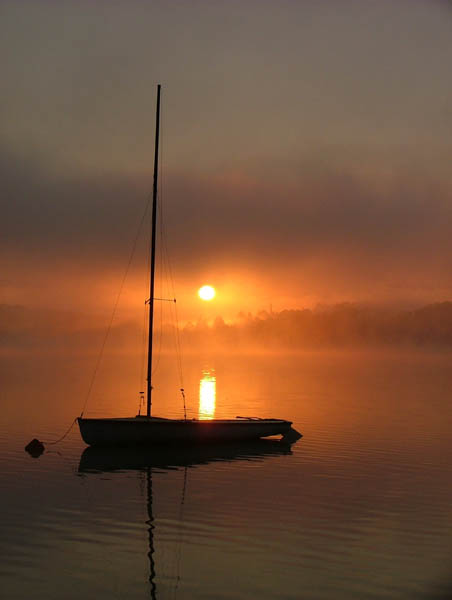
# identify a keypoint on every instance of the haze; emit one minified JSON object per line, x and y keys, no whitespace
{"x":306,"y":150}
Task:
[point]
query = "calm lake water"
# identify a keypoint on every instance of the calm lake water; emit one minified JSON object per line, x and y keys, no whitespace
{"x":360,"y":507}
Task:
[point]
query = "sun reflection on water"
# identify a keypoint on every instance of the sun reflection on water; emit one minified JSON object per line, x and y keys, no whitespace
{"x":207,"y":394}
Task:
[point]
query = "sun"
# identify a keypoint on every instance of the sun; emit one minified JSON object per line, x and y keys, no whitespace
{"x":206,"y":292}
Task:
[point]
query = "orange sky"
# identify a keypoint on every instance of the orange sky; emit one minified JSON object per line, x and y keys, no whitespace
{"x":305,"y":151}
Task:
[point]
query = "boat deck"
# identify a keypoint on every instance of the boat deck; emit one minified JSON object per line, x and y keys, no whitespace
{"x":162,"y":420}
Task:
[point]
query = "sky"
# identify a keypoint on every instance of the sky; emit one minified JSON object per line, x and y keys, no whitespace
{"x":305,"y":150}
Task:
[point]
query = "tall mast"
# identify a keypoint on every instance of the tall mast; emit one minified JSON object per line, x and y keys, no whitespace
{"x":154,"y":222}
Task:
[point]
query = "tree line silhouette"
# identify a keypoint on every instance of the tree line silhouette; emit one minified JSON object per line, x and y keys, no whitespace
{"x":333,"y":326}
{"x":329,"y":326}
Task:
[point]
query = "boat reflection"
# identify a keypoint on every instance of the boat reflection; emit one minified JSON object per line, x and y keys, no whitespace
{"x":98,"y":459}
{"x":146,"y":458}
{"x":207,"y":394}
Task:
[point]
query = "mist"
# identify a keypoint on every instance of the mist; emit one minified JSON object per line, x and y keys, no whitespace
{"x":313,"y":169}
{"x":289,"y":236}
{"x":340,"y":327}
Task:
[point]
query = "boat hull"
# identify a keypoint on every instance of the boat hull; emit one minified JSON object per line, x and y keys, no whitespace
{"x":143,"y":430}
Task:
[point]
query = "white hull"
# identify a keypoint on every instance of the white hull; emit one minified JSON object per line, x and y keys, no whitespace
{"x":143,"y":430}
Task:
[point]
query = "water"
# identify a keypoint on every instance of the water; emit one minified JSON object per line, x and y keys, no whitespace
{"x":360,"y":507}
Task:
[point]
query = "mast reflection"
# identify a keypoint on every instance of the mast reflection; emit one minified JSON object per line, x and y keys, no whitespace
{"x":146,"y":459}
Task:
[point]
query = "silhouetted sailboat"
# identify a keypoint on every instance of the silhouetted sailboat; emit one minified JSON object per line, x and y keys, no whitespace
{"x":147,"y":429}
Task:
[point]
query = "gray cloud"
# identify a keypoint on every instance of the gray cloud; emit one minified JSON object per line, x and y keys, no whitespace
{"x":326,"y":227}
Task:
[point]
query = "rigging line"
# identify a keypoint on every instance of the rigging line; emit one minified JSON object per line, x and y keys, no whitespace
{"x":177,"y":344}
{"x":160,"y":217}
{"x":142,"y":382}
{"x":115,"y":306}
{"x":146,"y":272}
{"x":177,"y":333}
{"x":64,"y":434}
{"x":36,"y":447}
{"x":143,"y":357}
{"x":179,"y":348}
{"x":175,"y":318}
{"x":161,"y":258}
{"x":168,"y":278}
{"x":159,"y":349}
{"x":146,"y":282}
{"x":179,"y":358}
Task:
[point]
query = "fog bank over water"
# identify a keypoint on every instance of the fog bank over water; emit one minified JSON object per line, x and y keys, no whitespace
{"x":328,"y":228}
{"x":343,"y":326}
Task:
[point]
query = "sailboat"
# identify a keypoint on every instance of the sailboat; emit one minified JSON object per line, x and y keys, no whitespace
{"x":149,"y":429}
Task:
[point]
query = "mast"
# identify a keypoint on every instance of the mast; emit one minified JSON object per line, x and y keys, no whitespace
{"x":153,"y":235}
